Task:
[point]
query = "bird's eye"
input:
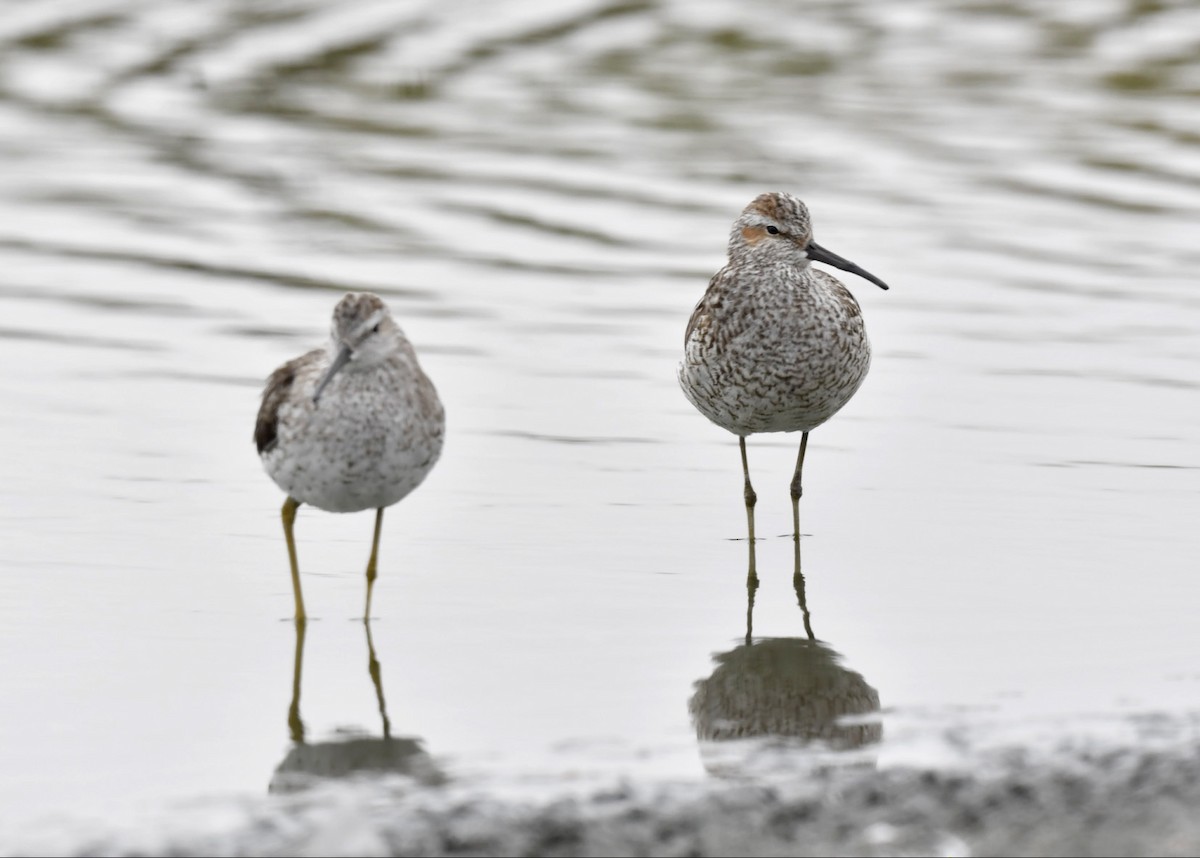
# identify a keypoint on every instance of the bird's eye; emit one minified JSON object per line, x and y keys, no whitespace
{"x":375,"y":330}
{"x":774,"y":230}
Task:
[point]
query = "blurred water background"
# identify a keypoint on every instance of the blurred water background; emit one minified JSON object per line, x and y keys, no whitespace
{"x":1000,"y":527}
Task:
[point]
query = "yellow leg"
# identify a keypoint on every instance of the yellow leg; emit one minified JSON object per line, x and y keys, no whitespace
{"x":289,"y":518}
{"x":372,"y":574}
{"x":751,"y":500}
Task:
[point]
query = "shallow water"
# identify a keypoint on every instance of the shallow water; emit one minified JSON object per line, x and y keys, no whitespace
{"x":999,"y":528}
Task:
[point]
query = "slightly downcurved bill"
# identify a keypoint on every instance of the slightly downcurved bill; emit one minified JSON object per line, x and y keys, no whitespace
{"x":820,"y":254}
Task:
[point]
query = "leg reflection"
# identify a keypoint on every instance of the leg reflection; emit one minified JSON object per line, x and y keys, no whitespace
{"x":751,"y":589}
{"x":801,"y":600}
{"x":295,"y":725}
{"x":349,"y":752}
{"x":377,"y":681}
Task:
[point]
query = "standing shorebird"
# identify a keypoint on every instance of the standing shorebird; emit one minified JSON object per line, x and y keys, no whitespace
{"x":775,"y":345}
{"x":351,"y":426}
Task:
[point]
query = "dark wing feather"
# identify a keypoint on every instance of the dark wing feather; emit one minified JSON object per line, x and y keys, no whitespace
{"x":279,"y":386}
{"x":699,"y":315}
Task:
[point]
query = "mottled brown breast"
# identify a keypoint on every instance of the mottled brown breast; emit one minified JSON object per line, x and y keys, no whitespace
{"x":851,"y":315}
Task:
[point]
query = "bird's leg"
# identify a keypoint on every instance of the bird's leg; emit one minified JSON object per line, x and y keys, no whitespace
{"x":371,"y":572}
{"x":295,"y":725}
{"x":289,"y":518}
{"x":796,"y":492}
{"x":377,"y":681}
{"x":751,"y":499}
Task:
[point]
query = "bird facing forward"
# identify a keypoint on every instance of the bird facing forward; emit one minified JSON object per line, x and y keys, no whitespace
{"x":353,"y":425}
{"x":775,"y":345}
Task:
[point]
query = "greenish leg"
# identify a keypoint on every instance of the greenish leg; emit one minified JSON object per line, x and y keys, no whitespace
{"x":289,"y":518}
{"x":372,"y":574}
{"x":796,"y":492}
{"x":797,"y":575}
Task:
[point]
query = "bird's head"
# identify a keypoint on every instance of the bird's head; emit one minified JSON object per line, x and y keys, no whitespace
{"x":776,"y":227}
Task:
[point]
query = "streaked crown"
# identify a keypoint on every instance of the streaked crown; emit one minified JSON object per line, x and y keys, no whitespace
{"x":355,"y":314}
{"x":781,"y":210}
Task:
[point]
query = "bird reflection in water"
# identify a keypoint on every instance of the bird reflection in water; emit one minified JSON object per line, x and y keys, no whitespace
{"x":354,"y":754}
{"x":786,"y":689}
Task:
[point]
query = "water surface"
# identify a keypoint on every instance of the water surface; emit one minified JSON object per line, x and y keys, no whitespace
{"x":999,"y":528}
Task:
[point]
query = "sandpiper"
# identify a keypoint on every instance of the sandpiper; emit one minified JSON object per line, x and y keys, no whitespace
{"x":775,"y":345}
{"x":350,"y":426}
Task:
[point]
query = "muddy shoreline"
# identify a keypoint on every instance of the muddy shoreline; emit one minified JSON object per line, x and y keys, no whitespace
{"x":1125,"y":801}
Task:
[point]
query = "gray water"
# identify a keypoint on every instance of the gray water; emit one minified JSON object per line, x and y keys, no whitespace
{"x":1000,"y":528}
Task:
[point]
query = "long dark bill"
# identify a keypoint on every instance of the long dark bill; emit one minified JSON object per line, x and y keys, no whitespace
{"x":343,"y":355}
{"x":820,"y":254}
